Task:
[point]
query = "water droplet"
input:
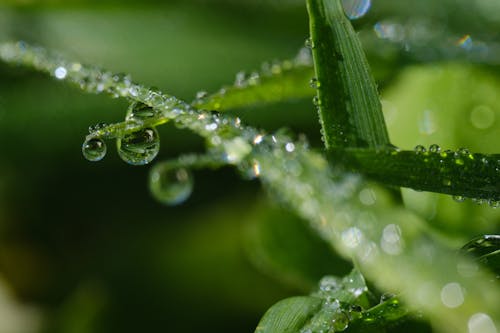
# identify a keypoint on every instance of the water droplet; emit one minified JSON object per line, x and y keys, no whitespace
{"x":419,"y":149}
{"x":96,"y":127}
{"x":355,"y":312}
{"x":459,"y":198}
{"x":241,"y":79}
{"x":482,"y":117}
{"x":290,"y":147}
{"x":386,"y":296}
{"x":171,"y":186}
{"x":309,"y":43}
{"x":201,"y":94}
{"x":258,"y":139}
{"x":340,"y":321}
{"x":140,"y":147}
{"x":60,"y":72}
{"x":355,"y":9}
{"x":139,"y":111}
{"x":316,"y":101}
{"x":254,"y":79}
{"x":94,"y":149}
{"x":434,"y":148}
{"x":314,"y":83}
{"x":494,"y":203}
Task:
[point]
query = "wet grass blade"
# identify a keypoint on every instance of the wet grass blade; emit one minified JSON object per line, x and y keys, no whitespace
{"x":348,"y":102}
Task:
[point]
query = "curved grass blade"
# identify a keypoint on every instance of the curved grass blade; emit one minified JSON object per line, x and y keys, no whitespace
{"x":458,"y":173}
{"x":349,"y":108}
{"x":486,"y":250}
{"x":276,"y":82}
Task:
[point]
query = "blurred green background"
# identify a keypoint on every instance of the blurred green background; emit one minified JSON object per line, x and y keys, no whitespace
{"x":85,"y":248}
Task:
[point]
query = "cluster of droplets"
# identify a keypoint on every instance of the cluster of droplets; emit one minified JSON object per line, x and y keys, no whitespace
{"x":462,"y":159}
{"x":244,"y":79}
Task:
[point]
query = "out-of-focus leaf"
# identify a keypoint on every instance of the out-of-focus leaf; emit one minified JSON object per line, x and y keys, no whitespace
{"x":486,"y":249}
{"x":282,"y":245}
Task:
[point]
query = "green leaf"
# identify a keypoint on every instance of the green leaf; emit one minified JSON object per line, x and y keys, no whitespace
{"x":274,"y":83}
{"x":289,"y":315}
{"x":459,"y":173}
{"x":349,"y":107}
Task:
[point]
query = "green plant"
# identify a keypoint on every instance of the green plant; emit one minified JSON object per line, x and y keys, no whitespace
{"x":390,"y":245}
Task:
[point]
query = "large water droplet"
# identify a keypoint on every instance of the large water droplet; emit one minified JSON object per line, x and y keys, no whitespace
{"x":355,"y":9}
{"x":94,"y":149}
{"x":170,"y":186}
{"x":140,"y":147}
{"x":340,"y":321}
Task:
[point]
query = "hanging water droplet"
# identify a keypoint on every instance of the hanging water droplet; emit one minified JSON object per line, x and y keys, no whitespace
{"x":94,"y":149}
{"x":309,"y":43}
{"x":434,"y":148}
{"x":355,"y":9}
{"x":170,"y":186}
{"x":459,"y":198}
{"x":139,"y":111}
{"x":419,"y":149}
{"x":140,"y":147}
{"x":340,"y":321}
{"x":314,"y":83}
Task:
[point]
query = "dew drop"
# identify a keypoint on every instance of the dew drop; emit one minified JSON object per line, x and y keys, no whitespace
{"x":459,"y":198}
{"x":355,"y":9}
{"x":169,"y":185}
{"x":309,"y":43}
{"x":96,"y":127}
{"x":355,"y":312}
{"x":314,"y":83}
{"x":316,"y":101}
{"x":434,"y":148}
{"x":420,"y":149}
{"x":386,"y":296}
{"x":494,"y":203}
{"x":94,"y":149}
{"x":140,"y":147}
{"x":340,"y":321}
{"x":201,"y":94}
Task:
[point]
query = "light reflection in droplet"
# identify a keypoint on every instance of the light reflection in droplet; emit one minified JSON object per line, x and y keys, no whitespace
{"x":481,"y":323}
{"x":452,"y":295}
{"x":390,"y":31}
{"x":482,"y":117}
{"x":60,"y":72}
{"x":465,"y":42}
{"x":355,"y":9}
{"x":290,"y":147}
